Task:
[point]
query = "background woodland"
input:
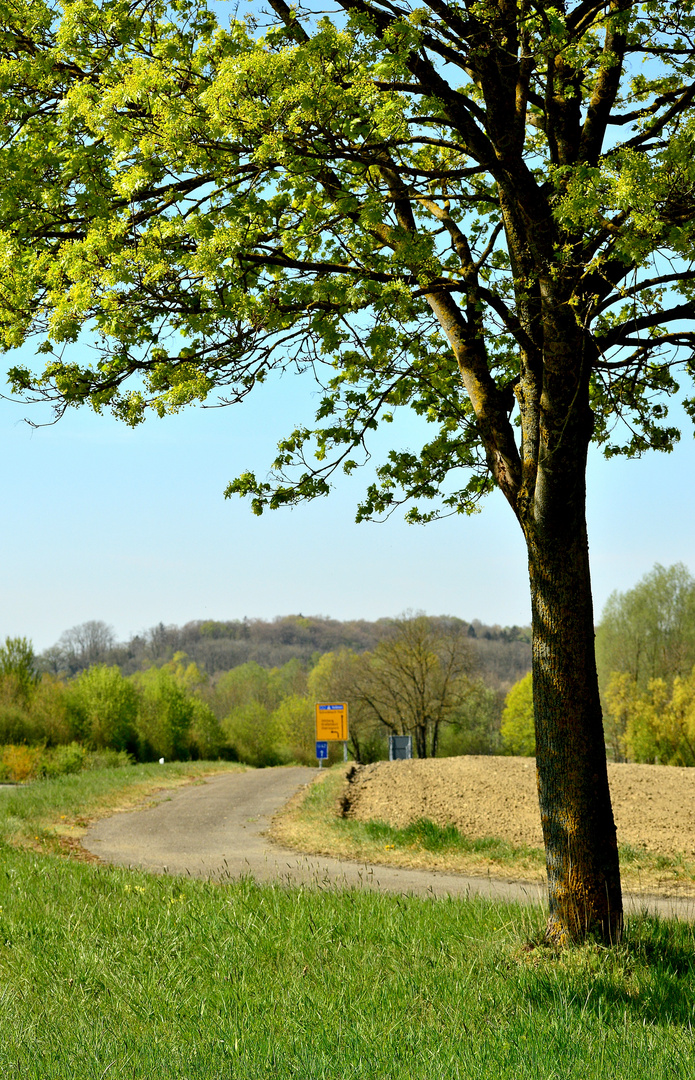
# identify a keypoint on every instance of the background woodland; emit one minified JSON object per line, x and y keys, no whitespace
{"x":245,"y":689}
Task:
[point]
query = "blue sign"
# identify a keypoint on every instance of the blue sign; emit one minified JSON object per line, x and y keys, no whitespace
{"x":322,"y":750}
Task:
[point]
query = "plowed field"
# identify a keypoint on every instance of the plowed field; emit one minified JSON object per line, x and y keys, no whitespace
{"x":654,"y":805}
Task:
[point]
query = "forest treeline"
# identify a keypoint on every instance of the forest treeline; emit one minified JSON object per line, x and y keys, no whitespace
{"x":246,"y":689}
{"x":503,"y":654}
{"x":420,"y":676}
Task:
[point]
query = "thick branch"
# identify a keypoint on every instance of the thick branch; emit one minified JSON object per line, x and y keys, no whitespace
{"x":618,"y":334}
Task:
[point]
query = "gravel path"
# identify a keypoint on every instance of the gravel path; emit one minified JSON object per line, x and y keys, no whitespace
{"x":218,"y":830}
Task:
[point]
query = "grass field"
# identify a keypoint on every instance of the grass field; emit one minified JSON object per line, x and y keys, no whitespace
{"x":109,"y":973}
{"x":311,"y":823}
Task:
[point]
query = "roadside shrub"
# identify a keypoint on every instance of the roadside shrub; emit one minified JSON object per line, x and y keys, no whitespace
{"x":107,"y":759}
{"x":20,"y":763}
{"x":62,"y":760}
{"x":16,"y":725}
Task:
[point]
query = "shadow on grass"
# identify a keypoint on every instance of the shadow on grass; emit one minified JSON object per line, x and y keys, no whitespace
{"x":649,"y":976}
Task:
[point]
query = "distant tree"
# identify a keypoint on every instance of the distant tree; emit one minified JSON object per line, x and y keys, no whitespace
{"x":79,"y":647}
{"x":655,"y":725}
{"x":262,"y":711}
{"x":205,"y":736}
{"x":53,"y":711}
{"x":618,"y":700}
{"x":648,"y":632}
{"x":186,"y":672}
{"x":416,"y":678}
{"x":682,"y":712}
{"x":164,"y":717}
{"x":474,"y":725}
{"x":252,"y":682}
{"x":18,"y":665}
{"x":518,"y":731}
{"x":161,"y":642}
{"x":107,"y":705}
{"x":294,"y":722}
{"x":254,"y":734}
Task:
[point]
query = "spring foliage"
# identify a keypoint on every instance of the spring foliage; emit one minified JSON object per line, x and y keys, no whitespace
{"x":417,"y":205}
{"x":261,"y":716}
{"x":645,"y":645}
{"x":517,"y":730}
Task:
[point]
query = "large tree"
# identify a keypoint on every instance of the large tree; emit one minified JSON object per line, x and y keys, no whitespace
{"x":415,"y":682}
{"x":482,"y":211}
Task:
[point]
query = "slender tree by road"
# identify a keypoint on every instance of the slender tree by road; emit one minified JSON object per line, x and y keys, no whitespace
{"x":483,"y":212}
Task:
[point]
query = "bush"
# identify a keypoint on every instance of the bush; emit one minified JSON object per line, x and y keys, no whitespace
{"x":254,"y":736}
{"x":106,"y":704}
{"x":518,"y":728}
{"x":107,"y":759}
{"x":62,"y":760}
{"x":20,"y":763}
{"x":164,"y":716}
{"x":17,"y":725}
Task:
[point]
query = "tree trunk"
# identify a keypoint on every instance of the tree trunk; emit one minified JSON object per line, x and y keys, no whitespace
{"x":576,"y":813}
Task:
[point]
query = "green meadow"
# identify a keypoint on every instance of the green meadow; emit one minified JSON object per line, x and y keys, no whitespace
{"x":110,"y":973}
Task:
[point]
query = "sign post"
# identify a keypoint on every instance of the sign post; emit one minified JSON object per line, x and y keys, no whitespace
{"x":331,"y":725}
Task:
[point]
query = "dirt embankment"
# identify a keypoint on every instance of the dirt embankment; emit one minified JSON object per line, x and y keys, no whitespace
{"x":654,"y":805}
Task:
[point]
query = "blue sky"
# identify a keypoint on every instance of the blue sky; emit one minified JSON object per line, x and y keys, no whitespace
{"x":131,"y":527}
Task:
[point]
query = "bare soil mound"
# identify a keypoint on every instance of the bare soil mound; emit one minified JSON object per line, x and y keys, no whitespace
{"x":654,"y":805}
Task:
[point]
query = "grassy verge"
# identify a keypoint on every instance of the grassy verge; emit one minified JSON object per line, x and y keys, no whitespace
{"x":109,"y":973}
{"x":311,"y":823}
{"x":52,"y":815}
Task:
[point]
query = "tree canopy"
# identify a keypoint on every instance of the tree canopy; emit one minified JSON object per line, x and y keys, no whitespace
{"x":390,"y":198}
{"x":645,"y":649}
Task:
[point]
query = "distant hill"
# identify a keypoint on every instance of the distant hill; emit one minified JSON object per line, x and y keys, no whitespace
{"x":504,"y":652}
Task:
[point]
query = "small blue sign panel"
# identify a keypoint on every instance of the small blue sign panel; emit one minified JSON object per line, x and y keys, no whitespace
{"x":322,"y":750}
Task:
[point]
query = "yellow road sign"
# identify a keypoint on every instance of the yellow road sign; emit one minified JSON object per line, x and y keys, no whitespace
{"x":331,"y":721}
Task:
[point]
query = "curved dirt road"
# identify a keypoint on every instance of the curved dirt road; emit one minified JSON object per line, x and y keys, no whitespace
{"x":218,"y":830}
